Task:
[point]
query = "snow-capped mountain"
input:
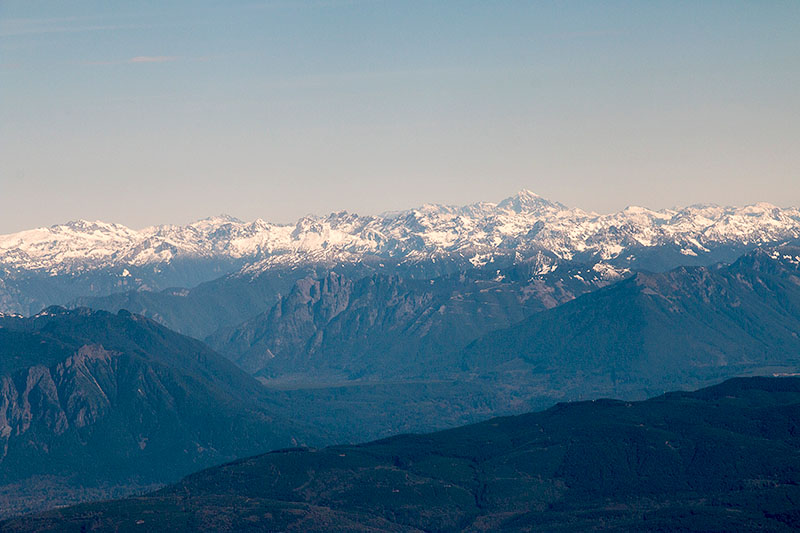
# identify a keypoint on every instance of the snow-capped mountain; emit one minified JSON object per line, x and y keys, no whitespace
{"x":525,"y":225}
{"x":83,"y":245}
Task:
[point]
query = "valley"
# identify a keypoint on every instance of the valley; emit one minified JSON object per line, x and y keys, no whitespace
{"x":722,"y":458}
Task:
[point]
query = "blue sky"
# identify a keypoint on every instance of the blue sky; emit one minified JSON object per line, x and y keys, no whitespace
{"x":155,"y":112}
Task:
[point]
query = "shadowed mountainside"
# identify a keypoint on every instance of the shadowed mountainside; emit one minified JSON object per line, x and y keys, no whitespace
{"x":720,"y":459}
{"x":682,"y":328}
{"x":90,"y":399}
{"x":379,"y":326}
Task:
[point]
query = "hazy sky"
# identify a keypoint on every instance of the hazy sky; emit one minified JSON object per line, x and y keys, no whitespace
{"x":154,"y":112}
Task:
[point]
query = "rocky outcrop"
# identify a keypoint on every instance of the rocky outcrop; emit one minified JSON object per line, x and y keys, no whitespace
{"x":384,"y":325}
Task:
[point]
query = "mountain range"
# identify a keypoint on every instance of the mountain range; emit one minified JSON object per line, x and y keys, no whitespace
{"x":428,"y":352}
{"x":57,"y":264}
{"x":654,"y":331}
{"x":179,"y":347}
{"x":534,"y":338}
{"x":720,"y":459}
{"x":454,"y":349}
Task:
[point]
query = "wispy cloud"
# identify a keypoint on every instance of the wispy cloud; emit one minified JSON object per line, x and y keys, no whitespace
{"x":152,"y":59}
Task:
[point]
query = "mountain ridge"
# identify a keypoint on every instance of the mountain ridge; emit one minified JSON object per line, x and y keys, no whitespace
{"x":523,"y":223}
{"x":67,"y":262}
{"x":651,"y":328}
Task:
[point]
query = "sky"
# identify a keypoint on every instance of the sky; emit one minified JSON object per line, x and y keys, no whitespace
{"x":166,"y":112}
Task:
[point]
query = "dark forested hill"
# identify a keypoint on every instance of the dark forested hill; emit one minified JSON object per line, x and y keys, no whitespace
{"x":97,"y":400}
{"x":725,"y":458}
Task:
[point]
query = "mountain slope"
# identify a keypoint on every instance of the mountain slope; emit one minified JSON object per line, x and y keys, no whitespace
{"x":383,"y":326}
{"x":660,"y":330}
{"x":92,"y":399}
{"x":234,"y":301}
{"x":720,"y":459}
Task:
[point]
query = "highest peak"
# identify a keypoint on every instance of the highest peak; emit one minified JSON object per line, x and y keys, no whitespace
{"x":222,"y":218}
{"x":527,"y":193}
{"x":211,"y":223}
{"x":526,"y":200}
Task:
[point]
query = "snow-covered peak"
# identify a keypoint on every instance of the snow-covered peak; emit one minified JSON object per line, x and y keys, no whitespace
{"x":525,"y":225}
{"x":526,"y":201}
{"x":216,"y":221}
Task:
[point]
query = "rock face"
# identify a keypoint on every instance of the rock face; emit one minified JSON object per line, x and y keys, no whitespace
{"x":60,"y":263}
{"x":720,"y":459}
{"x":384,"y":326}
{"x":95,"y":399}
{"x":69,"y":396}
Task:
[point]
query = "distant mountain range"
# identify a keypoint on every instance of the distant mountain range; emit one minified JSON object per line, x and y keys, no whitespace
{"x":57,"y":264}
{"x":374,"y":327}
{"x":652,"y":331}
{"x":456,"y":348}
{"x":510,"y":336}
{"x":720,"y":459}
